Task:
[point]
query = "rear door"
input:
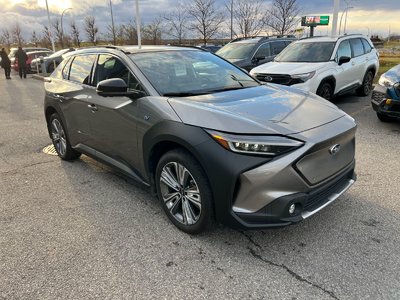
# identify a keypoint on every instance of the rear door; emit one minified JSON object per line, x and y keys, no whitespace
{"x":113,"y":120}
{"x":357,"y":61}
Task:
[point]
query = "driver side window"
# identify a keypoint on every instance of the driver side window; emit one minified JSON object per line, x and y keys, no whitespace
{"x":109,"y":67}
{"x":344,"y":49}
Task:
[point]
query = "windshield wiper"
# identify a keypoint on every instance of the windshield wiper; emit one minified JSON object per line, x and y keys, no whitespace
{"x":183,"y":94}
{"x":229,"y":88}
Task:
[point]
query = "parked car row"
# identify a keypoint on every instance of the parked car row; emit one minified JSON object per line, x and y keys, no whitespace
{"x":32,"y":55}
{"x":212,"y":142}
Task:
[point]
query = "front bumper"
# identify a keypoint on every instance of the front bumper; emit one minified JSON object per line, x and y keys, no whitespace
{"x":380,"y":103}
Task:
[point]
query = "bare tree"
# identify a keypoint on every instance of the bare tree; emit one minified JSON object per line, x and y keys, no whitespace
{"x":35,"y":39}
{"x":153,"y":31}
{"x":6,"y":38}
{"x":75,"y":34}
{"x":46,"y":37}
{"x":283,"y":16}
{"x":91,"y":29}
{"x":249,"y":16}
{"x":206,"y":18}
{"x":58,"y":32}
{"x":128,"y":33}
{"x":17,"y":34}
{"x":175,"y":21}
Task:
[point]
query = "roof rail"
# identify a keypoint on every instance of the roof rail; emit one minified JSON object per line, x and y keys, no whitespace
{"x":263,"y":37}
{"x":104,"y":46}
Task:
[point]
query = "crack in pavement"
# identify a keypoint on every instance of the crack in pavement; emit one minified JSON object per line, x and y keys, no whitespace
{"x":14,"y":171}
{"x":282,"y":266}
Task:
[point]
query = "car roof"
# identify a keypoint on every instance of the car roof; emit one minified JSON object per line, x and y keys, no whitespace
{"x":259,"y":39}
{"x":135,"y":49}
{"x":322,"y":39}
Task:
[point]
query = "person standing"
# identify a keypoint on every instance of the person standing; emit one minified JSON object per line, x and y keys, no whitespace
{"x":5,"y":63}
{"x":21,"y":58}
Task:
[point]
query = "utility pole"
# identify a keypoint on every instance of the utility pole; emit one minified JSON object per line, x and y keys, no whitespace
{"x":231,"y":20}
{"x":137,"y":24}
{"x":336,"y":5}
{"x":51,"y":35}
{"x":62,"y":27}
{"x":112,"y":24}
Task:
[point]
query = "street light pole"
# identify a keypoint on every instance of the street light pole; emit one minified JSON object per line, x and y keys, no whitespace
{"x":231,"y":20}
{"x":112,"y":23}
{"x":62,"y":27}
{"x":51,"y":35}
{"x":138,"y":24}
{"x":335,"y":16}
{"x":345,"y":19}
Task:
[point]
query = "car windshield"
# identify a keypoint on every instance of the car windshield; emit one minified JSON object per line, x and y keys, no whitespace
{"x":236,"y":51}
{"x":307,"y":52}
{"x":59,"y":53}
{"x":188,"y":73}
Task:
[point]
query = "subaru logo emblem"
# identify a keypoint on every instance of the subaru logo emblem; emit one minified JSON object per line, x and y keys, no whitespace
{"x":334,"y":149}
{"x":268,"y":78}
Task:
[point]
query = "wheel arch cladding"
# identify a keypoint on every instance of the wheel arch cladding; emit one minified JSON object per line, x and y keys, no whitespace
{"x":331,"y":80}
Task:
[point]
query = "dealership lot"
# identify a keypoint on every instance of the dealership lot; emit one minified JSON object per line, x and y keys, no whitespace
{"x":81,"y":230}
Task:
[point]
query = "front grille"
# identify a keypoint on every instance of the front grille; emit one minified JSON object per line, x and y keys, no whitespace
{"x":275,"y":78}
{"x":319,"y":163}
{"x":319,"y":198}
{"x":378,"y":96}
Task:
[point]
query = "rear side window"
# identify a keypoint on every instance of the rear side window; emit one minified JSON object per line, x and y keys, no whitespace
{"x":277,"y":47}
{"x":357,"y":46}
{"x":81,"y":68}
{"x":344,"y":49}
{"x":263,"y":51}
{"x":367,"y":46}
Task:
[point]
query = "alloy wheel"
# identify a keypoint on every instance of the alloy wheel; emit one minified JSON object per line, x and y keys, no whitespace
{"x":368,"y":83}
{"x":58,"y":137}
{"x":180,"y":193}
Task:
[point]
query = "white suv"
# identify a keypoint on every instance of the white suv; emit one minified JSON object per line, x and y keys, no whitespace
{"x":326,"y":66}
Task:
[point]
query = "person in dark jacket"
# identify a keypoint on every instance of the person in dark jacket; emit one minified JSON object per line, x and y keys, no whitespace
{"x":21,"y":57}
{"x":5,"y":63}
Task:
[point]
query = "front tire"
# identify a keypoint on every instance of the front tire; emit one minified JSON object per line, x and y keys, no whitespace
{"x":384,"y":118}
{"x":60,"y":140}
{"x":184,"y":191}
{"x":325,"y":90}
{"x":366,"y":87}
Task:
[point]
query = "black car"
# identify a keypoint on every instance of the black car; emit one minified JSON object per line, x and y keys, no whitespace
{"x":252,"y":52}
{"x":386,"y":96}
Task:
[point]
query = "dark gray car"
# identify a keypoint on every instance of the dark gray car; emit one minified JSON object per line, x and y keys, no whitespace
{"x":252,"y":52}
{"x":209,"y":140}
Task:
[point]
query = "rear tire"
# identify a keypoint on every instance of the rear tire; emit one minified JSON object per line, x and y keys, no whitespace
{"x":366,"y":87}
{"x":184,"y":191}
{"x":384,"y":118}
{"x":60,"y":139}
{"x":325,"y":90}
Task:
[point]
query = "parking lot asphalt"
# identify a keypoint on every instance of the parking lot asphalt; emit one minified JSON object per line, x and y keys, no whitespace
{"x":79,"y":230}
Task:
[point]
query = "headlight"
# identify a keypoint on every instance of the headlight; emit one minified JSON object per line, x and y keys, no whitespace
{"x":255,"y":144}
{"x":299,"y":78}
{"x":385,"y":81}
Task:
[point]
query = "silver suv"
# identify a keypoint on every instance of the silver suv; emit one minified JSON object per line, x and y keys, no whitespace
{"x":209,"y":140}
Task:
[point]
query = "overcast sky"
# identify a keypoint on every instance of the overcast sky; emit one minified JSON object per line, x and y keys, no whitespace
{"x":376,"y":16}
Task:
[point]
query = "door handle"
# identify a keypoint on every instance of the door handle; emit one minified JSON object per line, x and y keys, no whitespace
{"x":93,"y":107}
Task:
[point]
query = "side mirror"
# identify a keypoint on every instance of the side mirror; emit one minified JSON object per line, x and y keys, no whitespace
{"x":258,"y":58}
{"x":116,"y":87}
{"x":343,"y":60}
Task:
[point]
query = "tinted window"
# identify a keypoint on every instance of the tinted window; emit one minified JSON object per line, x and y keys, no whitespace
{"x":277,"y":47}
{"x":65,"y":70}
{"x":111,"y":67}
{"x":264,"y":51}
{"x":81,"y":68}
{"x":357,"y":46}
{"x":237,"y":50}
{"x":344,"y":49}
{"x":307,"y":52}
{"x":367,"y":46}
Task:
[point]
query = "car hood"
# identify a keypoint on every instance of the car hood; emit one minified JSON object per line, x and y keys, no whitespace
{"x":267,"y":109}
{"x":287,"y":68}
{"x":393,"y":74}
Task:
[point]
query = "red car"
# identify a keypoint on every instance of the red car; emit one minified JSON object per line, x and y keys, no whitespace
{"x":31,"y":56}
